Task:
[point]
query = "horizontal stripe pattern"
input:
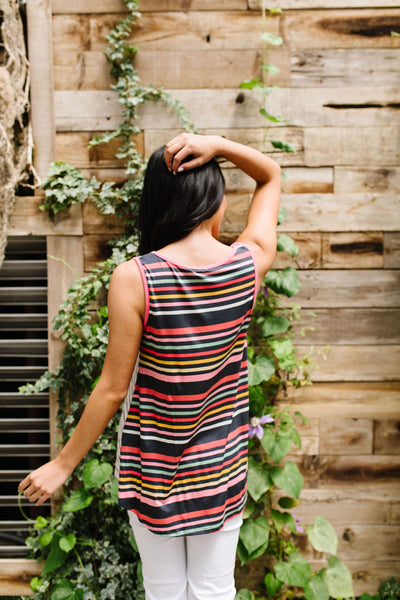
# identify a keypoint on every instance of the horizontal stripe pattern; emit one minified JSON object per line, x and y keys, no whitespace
{"x":183,"y":462}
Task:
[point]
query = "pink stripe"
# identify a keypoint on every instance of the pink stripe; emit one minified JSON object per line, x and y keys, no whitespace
{"x":146,"y":290}
{"x":200,"y":301}
{"x":185,"y":497}
{"x":182,"y":378}
{"x":226,"y":326}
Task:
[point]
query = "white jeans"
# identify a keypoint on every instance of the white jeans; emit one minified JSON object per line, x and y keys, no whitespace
{"x":193,"y":567}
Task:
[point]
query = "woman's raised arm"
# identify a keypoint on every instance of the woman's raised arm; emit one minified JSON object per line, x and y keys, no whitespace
{"x":262,"y":218}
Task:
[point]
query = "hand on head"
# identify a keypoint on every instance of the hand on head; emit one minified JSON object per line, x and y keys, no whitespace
{"x":201,"y":149}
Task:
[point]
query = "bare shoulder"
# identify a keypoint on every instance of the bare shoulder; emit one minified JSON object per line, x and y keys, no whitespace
{"x":126,"y":285}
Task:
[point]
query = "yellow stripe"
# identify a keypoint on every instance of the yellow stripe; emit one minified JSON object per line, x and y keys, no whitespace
{"x":216,"y":358}
{"x":188,"y":427}
{"x":203,"y":294}
{"x":180,"y":487}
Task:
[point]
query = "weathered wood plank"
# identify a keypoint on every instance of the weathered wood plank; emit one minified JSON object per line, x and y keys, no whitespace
{"x":341,"y":212}
{"x":349,"y":289}
{"x":355,"y":506}
{"x":72,"y":147}
{"x":363,"y":250}
{"x":354,"y":363}
{"x":372,"y":326}
{"x":27,"y":219}
{"x":349,"y":400}
{"x":305,"y":180}
{"x":346,"y":436}
{"x":90,"y":110}
{"x":352,"y":146}
{"x":95,"y":222}
{"x":190,"y":30}
{"x":391,"y":243}
{"x":366,"y":179}
{"x":15,"y":575}
{"x":342,"y":28}
{"x":369,"y":471}
{"x":95,"y":249}
{"x":309,"y":255}
{"x":308,"y":4}
{"x":185,"y":69}
{"x":345,"y":67}
{"x":118,"y":6}
{"x":387,"y":436}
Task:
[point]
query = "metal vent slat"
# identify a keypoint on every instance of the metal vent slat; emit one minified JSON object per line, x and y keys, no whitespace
{"x":24,"y":419}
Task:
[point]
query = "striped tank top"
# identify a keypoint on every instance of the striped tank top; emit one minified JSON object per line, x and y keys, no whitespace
{"x":183,"y":459}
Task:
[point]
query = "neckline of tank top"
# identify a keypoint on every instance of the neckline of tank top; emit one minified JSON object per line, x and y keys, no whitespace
{"x":199,"y":267}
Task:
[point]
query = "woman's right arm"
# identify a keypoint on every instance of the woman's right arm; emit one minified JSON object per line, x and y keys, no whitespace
{"x":262,"y":218}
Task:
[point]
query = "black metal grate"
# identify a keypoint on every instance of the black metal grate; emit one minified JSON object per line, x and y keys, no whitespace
{"x":24,"y":420}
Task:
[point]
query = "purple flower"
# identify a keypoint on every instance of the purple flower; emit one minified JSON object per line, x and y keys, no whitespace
{"x":299,"y":528}
{"x":255,"y":429}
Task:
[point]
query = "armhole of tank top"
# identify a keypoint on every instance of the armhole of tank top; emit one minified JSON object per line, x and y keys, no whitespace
{"x":255,"y":269}
{"x":145,"y":288}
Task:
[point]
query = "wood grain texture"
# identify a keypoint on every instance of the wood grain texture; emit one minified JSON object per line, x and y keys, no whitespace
{"x":369,"y":326}
{"x":325,"y":4}
{"x":235,"y":109}
{"x":15,"y":575}
{"x":387,"y":436}
{"x":361,"y":250}
{"x":118,"y":6}
{"x":342,"y":28}
{"x":366,"y":179}
{"x":392,"y":250}
{"x":354,"y":363}
{"x":349,"y":288}
{"x":346,"y":436}
{"x":27,"y":219}
{"x":347,"y":399}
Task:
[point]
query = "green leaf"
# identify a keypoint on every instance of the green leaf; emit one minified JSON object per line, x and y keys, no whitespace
{"x":284,"y":351}
{"x":274,"y":325}
{"x":316,"y":588}
{"x":272,"y":585}
{"x":95,"y":474}
{"x":286,"y":244}
{"x":283,"y":282}
{"x":270,"y":69}
{"x":245,"y":595}
{"x":282,"y":215}
{"x":67,"y":542}
{"x":46,"y":538}
{"x":56,"y":557}
{"x":287,"y":503}
{"x":270,"y":38}
{"x":258,"y":479}
{"x":288,"y":478}
{"x":275,"y":445}
{"x":338,"y":579}
{"x":277,"y":517}
{"x":78,"y":500}
{"x":285,"y":146}
{"x":322,"y":535}
{"x":261,"y":369}
{"x":40,"y":523}
{"x":63,"y":591}
{"x":272,"y":118}
{"x":250,"y":84}
{"x":296,"y":571}
{"x":35,"y":583}
{"x":254,"y":534}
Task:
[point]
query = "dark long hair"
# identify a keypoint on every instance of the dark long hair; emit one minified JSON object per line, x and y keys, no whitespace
{"x":172,"y":206}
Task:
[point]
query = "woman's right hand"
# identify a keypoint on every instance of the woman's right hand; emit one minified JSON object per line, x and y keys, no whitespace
{"x":201,"y":147}
{"x":39,"y":485}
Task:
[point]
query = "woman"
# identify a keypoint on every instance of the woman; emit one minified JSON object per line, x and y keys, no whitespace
{"x":183,"y":308}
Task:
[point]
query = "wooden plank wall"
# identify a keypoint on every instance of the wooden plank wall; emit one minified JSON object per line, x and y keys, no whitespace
{"x":339,"y":78}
